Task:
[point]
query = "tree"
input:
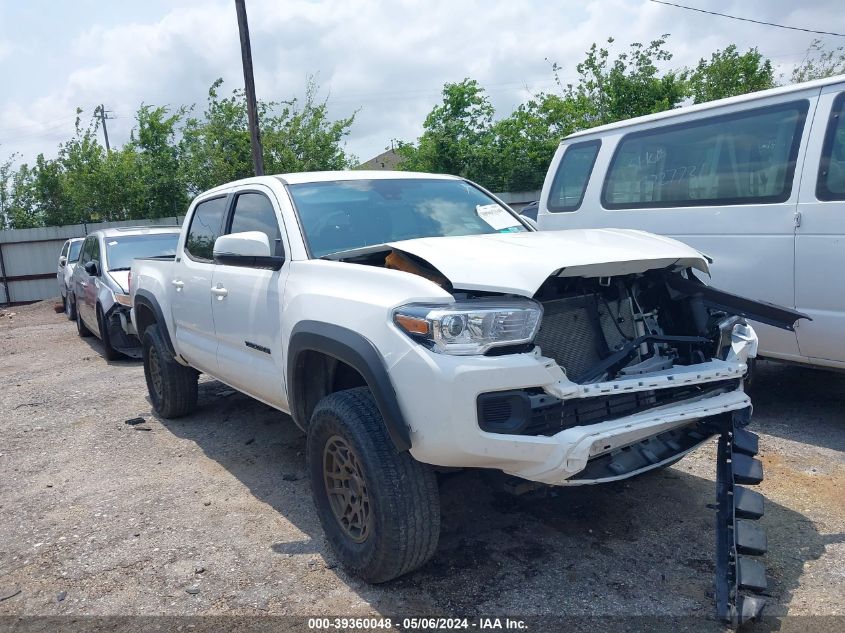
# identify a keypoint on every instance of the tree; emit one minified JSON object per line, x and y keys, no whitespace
{"x":729,"y":73}
{"x":629,"y":86}
{"x":819,"y":63}
{"x":216,"y":148}
{"x":456,"y":134}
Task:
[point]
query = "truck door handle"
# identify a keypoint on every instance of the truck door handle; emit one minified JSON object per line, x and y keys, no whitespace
{"x":178,"y":284}
{"x":219,"y":292}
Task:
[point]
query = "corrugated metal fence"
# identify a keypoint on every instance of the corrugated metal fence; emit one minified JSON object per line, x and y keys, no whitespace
{"x":29,"y":258}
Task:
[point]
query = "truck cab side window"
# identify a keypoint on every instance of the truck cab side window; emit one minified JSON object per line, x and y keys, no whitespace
{"x":254,"y":212}
{"x":205,"y":228}
{"x":831,"y":181}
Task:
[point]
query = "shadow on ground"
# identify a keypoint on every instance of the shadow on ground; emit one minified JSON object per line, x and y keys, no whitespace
{"x":800,"y":404}
{"x":642,"y":547}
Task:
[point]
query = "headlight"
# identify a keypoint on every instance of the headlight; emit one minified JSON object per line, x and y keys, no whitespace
{"x":468,"y":328}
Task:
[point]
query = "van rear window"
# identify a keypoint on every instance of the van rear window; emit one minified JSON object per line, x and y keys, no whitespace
{"x":741,"y":158}
{"x":572,"y":176}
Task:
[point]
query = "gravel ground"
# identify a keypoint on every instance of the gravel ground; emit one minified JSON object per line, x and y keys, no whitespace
{"x":211,"y":514}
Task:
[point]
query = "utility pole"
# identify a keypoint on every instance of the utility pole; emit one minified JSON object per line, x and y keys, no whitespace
{"x":101,"y":112}
{"x":249,"y":85}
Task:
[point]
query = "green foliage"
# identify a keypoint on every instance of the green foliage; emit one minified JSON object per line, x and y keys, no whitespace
{"x":728,"y":73}
{"x":460,"y":136}
{"x":170,"y":156}
{"x":819,"y":63}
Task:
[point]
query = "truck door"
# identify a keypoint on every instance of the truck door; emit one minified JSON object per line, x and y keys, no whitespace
{"x":820,"y":233}
{"x":192,"y":273}
{"x":248,"y":302}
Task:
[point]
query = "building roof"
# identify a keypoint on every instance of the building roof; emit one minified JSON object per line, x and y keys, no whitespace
{"x":388,"y":159}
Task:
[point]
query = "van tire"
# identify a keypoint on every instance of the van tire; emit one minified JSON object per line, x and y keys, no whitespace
{"x":400,"y":493}
{"x":172,"y":387}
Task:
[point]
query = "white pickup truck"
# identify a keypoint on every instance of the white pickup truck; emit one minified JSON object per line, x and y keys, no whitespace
{"x":409,"y":322}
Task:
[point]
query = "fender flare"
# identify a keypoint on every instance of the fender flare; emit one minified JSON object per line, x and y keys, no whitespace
{"x":147,"y":299}
{"x":359,"y":353}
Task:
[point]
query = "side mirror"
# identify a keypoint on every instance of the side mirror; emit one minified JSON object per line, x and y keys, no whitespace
{"x":62,"y":261}
{"x":250,"y":249}
{"x":93,"y":268}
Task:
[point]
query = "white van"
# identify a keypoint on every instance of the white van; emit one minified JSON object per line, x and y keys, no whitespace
{"x":757,"y":182}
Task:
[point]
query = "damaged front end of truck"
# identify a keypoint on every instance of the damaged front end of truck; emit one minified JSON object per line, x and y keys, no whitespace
{"x":646,"y":363}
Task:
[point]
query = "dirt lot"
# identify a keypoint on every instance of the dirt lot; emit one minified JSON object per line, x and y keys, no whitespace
{"x":211,"y":514}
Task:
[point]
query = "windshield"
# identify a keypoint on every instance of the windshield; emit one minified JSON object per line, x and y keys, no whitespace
{"x":343,"y":215}
{"x":121,"y":250}
{"x":73,"y":252}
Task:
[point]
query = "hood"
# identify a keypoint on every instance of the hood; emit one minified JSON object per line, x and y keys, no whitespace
{"x":121,"y":278}
{"x":518,"y":263}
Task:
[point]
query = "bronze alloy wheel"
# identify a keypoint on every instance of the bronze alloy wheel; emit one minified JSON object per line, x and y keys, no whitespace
{"x":346,"y":488}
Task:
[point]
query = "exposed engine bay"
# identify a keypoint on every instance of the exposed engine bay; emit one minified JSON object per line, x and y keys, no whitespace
{"x":602,"y":329}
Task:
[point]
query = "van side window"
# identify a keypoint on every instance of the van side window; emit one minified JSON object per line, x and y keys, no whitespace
{"x":64,"y":249}
{"x":254,"y":212}
{"x":742,"y":158}
{"x":572,"y":176}
{"x":205,"y":228}
{"x":831,"y":182}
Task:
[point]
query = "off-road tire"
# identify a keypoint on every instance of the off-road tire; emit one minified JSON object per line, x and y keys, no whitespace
{"x":172,"y":387}
{"x":109,"y":352}
{"x":69,"y":307}
{"x":404,"y":503}
{"x":81,"y":328}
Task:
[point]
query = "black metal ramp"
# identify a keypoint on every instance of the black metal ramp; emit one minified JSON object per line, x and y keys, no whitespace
{"x":740,"y":577}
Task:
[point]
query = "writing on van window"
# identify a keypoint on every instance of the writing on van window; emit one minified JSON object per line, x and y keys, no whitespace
{"x":831,"y":180}
{"x":739,"y":159}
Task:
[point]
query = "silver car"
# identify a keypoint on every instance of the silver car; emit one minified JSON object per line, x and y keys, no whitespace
{"x":68,"y":257}
{"x":99,"y":287}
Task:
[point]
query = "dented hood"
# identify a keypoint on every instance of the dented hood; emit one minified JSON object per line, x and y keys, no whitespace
{"x":519,"y":263}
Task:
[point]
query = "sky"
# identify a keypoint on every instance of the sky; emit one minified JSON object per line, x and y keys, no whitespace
{"x":385,"y":60}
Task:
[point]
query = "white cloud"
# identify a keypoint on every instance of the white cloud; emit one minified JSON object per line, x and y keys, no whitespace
{"x":388,"y":58}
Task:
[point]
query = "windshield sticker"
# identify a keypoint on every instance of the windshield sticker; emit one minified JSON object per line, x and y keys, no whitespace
{"x":496,"y":216}
{"x":113,"y":242}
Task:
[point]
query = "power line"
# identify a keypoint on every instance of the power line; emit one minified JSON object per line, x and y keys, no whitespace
{"x":734,"y":17}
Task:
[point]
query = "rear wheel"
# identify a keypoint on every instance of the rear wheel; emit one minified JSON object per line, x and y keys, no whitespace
{"x":81,"y":328}
{"x":109,"y":352}
{"x":172,"y":387}
{"x":379,"y":508}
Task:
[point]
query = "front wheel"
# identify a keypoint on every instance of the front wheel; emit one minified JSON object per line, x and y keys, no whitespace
{"x":379,"y":508}
{"x":172,"y":387}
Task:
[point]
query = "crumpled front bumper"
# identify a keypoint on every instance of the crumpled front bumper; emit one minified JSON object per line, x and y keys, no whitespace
{"x":446,"y":431}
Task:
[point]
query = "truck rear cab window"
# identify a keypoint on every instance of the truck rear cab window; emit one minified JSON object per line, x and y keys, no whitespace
{"x":573,"y":174}
{"x":205,"y":228}
{"x":254,"y":212}
{"x":831,"y":182}
{"x":740,"y":158}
